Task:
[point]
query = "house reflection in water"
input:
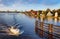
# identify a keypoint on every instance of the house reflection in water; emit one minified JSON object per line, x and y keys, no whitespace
{"x":55,"y":21}
{"x":40,"y":29}
{"x":47,"y":28}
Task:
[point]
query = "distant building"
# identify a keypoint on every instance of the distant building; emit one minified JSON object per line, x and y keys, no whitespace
{"x":56,"y":14}
{"x":33,"y":12}
{"x":49,"y":14}
{"x":42,"y":14}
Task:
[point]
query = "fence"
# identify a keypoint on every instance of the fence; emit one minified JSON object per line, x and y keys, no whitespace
{"x":50,"y":29}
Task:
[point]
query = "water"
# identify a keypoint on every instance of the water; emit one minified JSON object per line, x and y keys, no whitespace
{"x":28,"y":25}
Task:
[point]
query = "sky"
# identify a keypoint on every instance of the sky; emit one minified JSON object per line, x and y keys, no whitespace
{"x":29,"y":4}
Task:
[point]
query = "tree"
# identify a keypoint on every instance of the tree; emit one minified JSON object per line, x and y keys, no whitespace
{"x":58,"y":12}
{"x":53,"y":12}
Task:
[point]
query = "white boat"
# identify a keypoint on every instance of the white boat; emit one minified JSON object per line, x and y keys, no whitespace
{"x":10,"y":30}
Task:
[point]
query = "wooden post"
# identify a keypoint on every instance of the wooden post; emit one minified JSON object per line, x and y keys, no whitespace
{"x":41,"y":25}
{"x":36,"y":26}
{"x":41,"y":33}
{"x":50,"y":29}
{"x":50,"y":36}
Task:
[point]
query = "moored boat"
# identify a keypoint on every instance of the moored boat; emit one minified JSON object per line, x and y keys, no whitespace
{"x":10,"y":30}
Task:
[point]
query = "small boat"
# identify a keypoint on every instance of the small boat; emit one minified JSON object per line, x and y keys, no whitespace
{"x":10,"y":30}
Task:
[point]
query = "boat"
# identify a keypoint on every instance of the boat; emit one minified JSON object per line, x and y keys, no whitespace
{"x":10,"y":30}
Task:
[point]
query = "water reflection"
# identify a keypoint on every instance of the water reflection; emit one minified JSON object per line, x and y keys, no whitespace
{"x":46,"y":30}
{"x":42,"y":19}
{"x":46,"y":19}
{"x":44,"y":27}
{"x":7,"y":19}
{"x":21,"y":19}
{"x":55,"y":20}
{"x":47,"y":27}
{"x":41,"y":33}
{"x":49,"y":20}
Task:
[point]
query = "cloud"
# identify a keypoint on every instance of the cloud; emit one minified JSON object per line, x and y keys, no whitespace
{"x":43,"y":2}
{"x":0,"y":0}
{"x":8,"y":2}
{"x":27,"y":4}
{"x":1,"y":5}
{"x":51,"y":2}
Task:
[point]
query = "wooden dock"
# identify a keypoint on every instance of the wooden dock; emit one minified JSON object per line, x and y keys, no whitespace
{"x":48,"y":28}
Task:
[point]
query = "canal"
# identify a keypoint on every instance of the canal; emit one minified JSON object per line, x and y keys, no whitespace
{"x":30,"y":26}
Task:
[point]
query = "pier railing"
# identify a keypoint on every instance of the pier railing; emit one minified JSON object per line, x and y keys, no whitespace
{"x":48,"y":28}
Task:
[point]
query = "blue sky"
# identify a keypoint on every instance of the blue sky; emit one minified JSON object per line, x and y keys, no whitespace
{"x":29,"y":4}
